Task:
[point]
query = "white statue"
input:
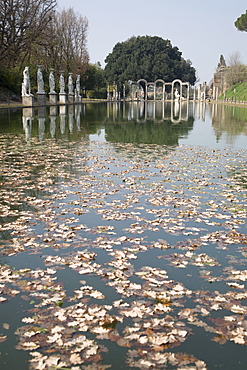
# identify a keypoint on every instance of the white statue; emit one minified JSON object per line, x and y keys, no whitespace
{"x":176,"y":94}
{"x":78,"y":87}
{"x":26,"y":87}
{"x":40,"y":80}
{"x":62,"y":84}
{"x":70,"y":84}
{"x":51,"y":82}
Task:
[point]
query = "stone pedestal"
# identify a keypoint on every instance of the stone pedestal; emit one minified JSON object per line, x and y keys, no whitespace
{"x":41,"y":98}
{"x":71,"y":98}
{"x":62,"y":98}
{"x":53,"y":98}
{"x":28,"y":100}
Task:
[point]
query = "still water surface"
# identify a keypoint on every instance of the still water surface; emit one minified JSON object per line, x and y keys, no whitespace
{"x":123,"y":237}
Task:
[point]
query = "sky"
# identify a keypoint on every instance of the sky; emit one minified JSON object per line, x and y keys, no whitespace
{"x":201,"y":29}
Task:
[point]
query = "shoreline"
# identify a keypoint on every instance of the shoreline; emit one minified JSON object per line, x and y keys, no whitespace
{"x":14,"y":104}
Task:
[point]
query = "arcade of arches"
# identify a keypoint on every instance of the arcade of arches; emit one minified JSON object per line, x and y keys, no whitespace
{"x":159,"y":90}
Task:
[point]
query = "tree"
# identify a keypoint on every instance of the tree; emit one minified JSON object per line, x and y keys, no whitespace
{"x":241,"y":22}
{"x":93,"y":77}
{"x":22,"y":24}
{"x":148,"y":57}
{"x":64,"y":46}
{"x":237,"y":71}
{"x":69,"y":49}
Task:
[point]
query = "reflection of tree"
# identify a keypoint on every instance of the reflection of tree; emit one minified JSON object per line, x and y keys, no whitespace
{"x":229,"y":119}
{"x":163,"y":133}
{"x":11,"y":121}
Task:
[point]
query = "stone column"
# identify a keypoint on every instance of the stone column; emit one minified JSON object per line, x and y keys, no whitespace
{"x":199,"y":92}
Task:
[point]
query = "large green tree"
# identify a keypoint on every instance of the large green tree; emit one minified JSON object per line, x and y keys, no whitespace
{"x":241,"y":22}
{"x":148,"y":57}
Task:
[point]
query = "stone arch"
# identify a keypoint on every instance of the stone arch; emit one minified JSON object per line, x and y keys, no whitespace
{"x":187,"y":84}
{"x":165,"y":90}
{"x":180,"y":87}
{"x":152,"y":86}
{"x":144,"y":84}
{"x":159,"y":80}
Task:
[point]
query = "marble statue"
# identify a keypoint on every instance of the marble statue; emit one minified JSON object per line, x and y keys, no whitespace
{"x":40,"y":80}
{"x":51,"y":82}
{"x":176,"y":94}
{"x":70,"y":84}
{"x":62,"y":84}
{"x":26,"y":87}
{"x":78,"y":87}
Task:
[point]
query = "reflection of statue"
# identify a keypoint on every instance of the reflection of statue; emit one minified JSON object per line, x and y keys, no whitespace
{"x":40,"y":80}
{"x":62,"y":84}
{"x":78,"y":87}
{"x":70,"y":84}
{"x":176,"y":94}
{"x":26,"y":87}
{"x":52,"y":82}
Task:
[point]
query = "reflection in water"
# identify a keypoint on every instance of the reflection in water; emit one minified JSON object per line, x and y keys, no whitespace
{"x":139,"y":122}
{"x":41,"y":121}
{"x":53,"y":116}
{"x":62,"y":115}
{"x":142,"y":111}
{"x":27,"y":117}
{"x":230,"y":119}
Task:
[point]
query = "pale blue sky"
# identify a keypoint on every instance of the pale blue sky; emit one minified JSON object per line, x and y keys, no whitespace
{"x":201,"y":29}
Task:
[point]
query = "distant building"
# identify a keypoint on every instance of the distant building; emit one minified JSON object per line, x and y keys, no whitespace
{"x":219,"y":84}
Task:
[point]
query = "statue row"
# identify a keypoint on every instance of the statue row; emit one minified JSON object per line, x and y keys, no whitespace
{"x":26,"y":86}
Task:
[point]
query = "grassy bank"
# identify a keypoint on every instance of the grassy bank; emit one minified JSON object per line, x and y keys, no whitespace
{"x":237,"y":92}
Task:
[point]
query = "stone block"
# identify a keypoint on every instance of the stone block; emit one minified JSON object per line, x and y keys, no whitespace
{"x":41,"y":98}
{"x":28,"y":100}
{"x":71,"y":98}
{"x":62,"y":98}
{"x":53,"y":98}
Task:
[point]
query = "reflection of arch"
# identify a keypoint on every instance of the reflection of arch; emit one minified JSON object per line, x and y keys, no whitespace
{"x":179,"y":112}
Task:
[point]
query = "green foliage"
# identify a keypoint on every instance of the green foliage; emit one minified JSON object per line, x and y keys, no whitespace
{"x":93,"y":77}
{"x":241,"y":22}
{"x":11,"y":79}
{"x":148,"y":57}
{"x":237,"y":92}
{"x":97,"y":93}
{"x":94,"y":82}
